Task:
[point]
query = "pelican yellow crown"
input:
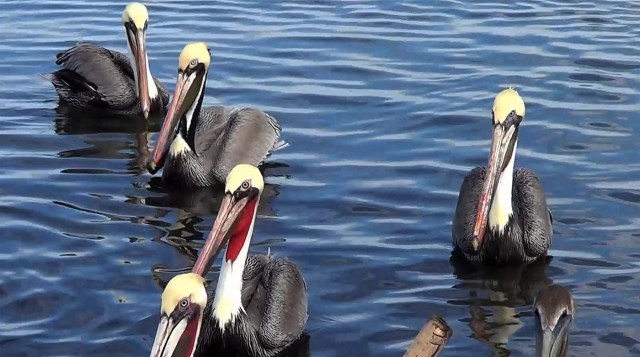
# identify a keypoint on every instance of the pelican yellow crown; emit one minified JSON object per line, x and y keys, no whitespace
{"x":241,"y":173}
{"x":181,"y":286}
{"x":507,"y":101}
{"x":136,"y":13}
{"x":197,"y":51}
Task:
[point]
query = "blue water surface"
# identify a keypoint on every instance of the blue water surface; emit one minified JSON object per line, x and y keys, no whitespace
{"x":386,"y":105}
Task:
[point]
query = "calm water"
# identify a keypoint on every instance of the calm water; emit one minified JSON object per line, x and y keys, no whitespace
{"x":386,"y":106}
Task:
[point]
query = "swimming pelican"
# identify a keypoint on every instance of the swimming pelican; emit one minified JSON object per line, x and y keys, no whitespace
{"x":554,"y":311}
{"x":206,"y":143}
{"x":502,"y":215}
{"x":96,"y":77}
{"x":260,"y":303}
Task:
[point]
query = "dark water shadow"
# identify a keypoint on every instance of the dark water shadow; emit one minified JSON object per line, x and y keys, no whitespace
{"x":192,"y":206}
{"x":493,"y":294}
{"x":206,"y":200}
{"x":74,"y":121}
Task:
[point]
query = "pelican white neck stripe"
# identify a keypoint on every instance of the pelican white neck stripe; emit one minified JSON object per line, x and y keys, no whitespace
{"x":227,"y":303}
{"x":501,"y":207}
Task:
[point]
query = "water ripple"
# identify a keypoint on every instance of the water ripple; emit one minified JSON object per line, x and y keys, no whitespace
{"x":387,"y":106}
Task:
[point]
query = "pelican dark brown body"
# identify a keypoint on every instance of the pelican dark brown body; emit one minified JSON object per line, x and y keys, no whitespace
{"x":93,"y":77}
{"x":502,"y":215}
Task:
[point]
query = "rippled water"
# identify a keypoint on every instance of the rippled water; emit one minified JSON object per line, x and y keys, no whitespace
{"x":386,"y":106}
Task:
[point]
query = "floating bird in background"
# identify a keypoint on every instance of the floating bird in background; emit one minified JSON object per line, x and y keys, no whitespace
{"x":502,"y":215}
{"x":554,"y":312}
{"x":95,"y":77}
{"x":206,"y":143}
{"x":260,"y":303}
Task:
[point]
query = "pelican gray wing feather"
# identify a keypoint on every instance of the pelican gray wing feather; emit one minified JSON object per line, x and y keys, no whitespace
{"x":464,"y":218}
{"x":280,"y":303}
{"x":226,"y":137}
{"x":252,"y":276}
{"x":530,"y":214}
{"x":534,"y":215}
{"x":206,"y":143}
{"x":275,"y":303}
{"x":98,"y":77}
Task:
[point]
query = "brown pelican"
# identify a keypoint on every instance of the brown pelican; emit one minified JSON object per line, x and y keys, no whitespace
{"x":554,"y":311}
{"x":206,"y":143}
{"x":502,"y":215}
{"x":95,"y":77}
{"x":260,"y":304}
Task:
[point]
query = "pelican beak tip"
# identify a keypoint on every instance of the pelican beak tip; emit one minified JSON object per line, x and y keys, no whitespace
{"x":146,"y":113}
{"x":475,"y":244}
{"x":151,"y":167}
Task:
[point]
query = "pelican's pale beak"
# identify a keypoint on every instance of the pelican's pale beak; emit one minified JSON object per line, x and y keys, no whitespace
{"x":504,"y":137}
{"x":137,"y":43}
{"x":178,"y":334}
{"x":187,"y":92}
{"x":233,"y":206}
{"x":552,"y":343}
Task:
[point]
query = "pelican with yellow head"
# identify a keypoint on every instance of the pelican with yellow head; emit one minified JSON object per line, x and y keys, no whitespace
{"x":95,"y":77}
{"x":198,"y":147}
{"x":259,"y":306}
{"x":502,"y":215}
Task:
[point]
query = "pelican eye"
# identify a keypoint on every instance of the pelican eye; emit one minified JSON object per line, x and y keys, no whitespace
{"x":512,"y":118}
{"x":184,"y":303}
{"x":245,"y":185}
{"x":193,"y":62}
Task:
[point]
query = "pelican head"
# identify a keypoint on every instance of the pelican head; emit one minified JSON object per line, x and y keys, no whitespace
{"x":554,"y":311}
{"x":508,"y":113}
{"x":183,"y":302}
{"x":234,"y":222}
{"x":135,"y":19}
{"x":178,"y":125}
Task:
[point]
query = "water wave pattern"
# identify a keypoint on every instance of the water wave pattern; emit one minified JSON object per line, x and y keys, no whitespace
{"x":386,"y":105}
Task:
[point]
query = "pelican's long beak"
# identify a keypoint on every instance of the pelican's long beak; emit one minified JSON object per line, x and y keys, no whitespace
{"x":231,"y":208}
{"x":177,"y":334}
{"x":165,"y":328}
{"x":551,"y":343}
{"x":183,"y":98}
{"x":501,"y":151}
{"x":137,"y":44}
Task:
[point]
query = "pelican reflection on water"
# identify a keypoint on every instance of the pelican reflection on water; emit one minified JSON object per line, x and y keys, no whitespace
{"x":190,"y":206}
{"x":95,"y":77}
{"x":494,"y":294}
{"x":501,"y":216}
{"x":260,"y":304}
{"x":199,"y":146}
{"x":127,"y":133}
{"x":202,"y":200}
